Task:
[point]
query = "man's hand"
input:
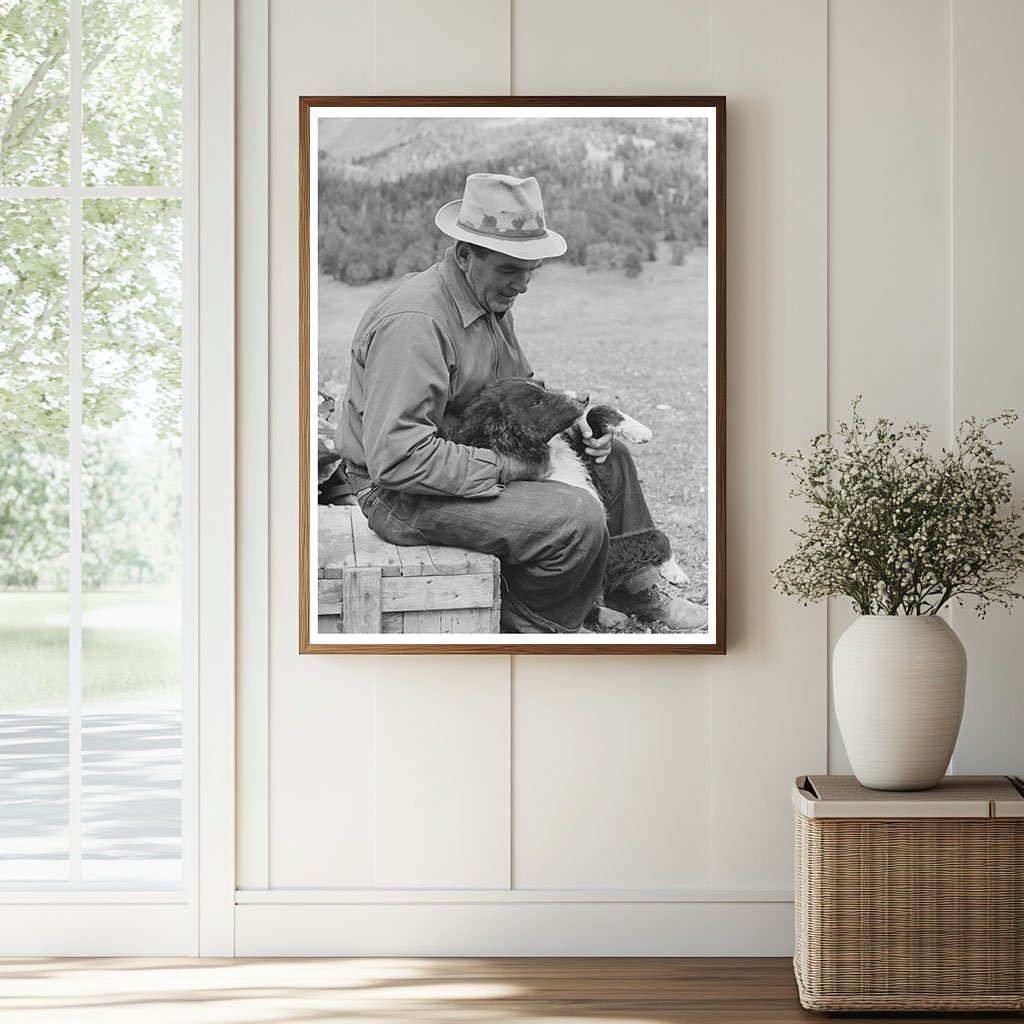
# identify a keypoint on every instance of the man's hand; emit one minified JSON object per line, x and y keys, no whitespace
{"x":510,"y":468}
{"x":597,"y":448}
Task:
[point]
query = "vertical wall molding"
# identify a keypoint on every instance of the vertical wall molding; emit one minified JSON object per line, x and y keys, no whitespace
{"x":216,"y":478}
{"x":253,"y":391}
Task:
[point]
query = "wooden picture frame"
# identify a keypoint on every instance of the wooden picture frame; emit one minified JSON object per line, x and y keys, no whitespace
{"x":634,"y":314}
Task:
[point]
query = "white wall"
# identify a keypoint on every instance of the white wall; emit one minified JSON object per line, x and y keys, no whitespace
{"x":555,"y":805}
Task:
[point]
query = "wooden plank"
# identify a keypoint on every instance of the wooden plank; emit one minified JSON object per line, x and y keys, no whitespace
{"x":329,"y":597}
{"x":361,"y":597}
{"x":415,"y":593}
{"x":494,"y":625}
{"x":329,"y":623}
{"x":371,"y":551}
{"x":486,"y":562}
{"x":422,"y":622}
{"x":697,"y":990}
{"x":415,"y":561}
{"x":335,"y":549}
{"x":392,"y":622}
{"x":465,"y":620}
{"x":450,"y":561}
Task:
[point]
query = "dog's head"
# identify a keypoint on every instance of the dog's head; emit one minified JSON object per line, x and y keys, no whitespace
{"x":518,"y":417}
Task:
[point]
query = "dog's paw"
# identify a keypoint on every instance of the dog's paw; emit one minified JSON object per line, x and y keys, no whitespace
{"x":633,"y":430}
{"x":672,"y":572}
{"x":606,"y":419}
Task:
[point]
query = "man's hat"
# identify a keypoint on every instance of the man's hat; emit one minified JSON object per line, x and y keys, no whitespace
{"x":504,"y":214}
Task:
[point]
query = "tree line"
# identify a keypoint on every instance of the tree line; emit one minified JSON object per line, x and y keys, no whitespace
{"x":613,"y":208}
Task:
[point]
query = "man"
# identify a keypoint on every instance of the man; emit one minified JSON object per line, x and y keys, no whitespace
{"x":422,"y":350}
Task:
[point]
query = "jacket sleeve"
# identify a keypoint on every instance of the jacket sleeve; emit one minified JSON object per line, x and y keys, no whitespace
{"x":406,"y":386}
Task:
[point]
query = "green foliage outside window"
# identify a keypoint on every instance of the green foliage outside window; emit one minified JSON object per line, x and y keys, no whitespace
{"x":131,"y":302}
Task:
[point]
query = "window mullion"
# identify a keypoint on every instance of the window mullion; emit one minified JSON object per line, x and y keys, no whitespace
{"x":94,"y":191}
{"x":75,"y":336}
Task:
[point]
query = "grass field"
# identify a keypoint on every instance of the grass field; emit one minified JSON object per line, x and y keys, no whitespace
{"x":130,"y":647}
{"x":638,"y":343}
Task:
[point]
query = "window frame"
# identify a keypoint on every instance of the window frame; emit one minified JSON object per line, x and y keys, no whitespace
{"x":69,"y":918}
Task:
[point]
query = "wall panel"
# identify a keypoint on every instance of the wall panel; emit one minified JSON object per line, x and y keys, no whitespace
{"x":889,"y":209}
{"x":889,"y":248}
{"x":323,"y":778}
{"x":769,"y":692}
{"x":324,"y":725}
{"x":612,"y":786}
{"x":576,"y":48}
{"x":443,"y":48}
{"x":987,"y":367}
{"x":315,"y":49}
{"x":442,"y":771}
{"x":871,"y":248}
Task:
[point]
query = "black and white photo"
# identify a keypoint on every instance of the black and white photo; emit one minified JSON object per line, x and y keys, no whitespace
{"x":512,"y":375}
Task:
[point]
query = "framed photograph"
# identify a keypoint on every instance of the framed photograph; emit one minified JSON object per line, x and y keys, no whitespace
{"x":512,"y":375}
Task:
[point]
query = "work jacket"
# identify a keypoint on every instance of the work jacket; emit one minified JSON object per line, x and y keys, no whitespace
{"x":421,"y":352}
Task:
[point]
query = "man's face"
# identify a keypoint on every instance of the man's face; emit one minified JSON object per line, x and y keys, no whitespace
{"x":497,"y":280}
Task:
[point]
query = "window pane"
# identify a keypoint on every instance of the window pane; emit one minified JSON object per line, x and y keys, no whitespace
{"x":131,"y":92}
{"x":131,"y":541}
{"x":33,"y":540}
{"x":33,"y":92}
{"x":131,"y":743}
{"x":132,"y":327}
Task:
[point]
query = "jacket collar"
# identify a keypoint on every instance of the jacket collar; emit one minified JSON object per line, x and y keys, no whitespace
{"x":452,"y":275}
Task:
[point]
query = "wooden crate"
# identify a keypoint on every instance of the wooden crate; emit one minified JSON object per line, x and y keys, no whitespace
{"x":367,"y":585}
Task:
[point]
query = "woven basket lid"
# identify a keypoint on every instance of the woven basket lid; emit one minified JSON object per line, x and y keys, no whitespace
{"x":957,"y":796}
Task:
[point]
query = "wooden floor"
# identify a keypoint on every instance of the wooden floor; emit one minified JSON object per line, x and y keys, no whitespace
{"x":413,"y":991}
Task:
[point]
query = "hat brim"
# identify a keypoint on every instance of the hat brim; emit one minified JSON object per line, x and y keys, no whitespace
{"x":542,"y":248}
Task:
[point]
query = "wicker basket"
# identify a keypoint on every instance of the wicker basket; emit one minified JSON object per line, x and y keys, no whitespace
{"x":910,"y":901}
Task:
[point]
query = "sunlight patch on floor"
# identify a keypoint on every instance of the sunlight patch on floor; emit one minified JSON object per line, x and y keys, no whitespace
{"x":220,"y":991}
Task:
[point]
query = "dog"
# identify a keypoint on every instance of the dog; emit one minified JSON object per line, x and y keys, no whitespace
{"x":520,"y":417}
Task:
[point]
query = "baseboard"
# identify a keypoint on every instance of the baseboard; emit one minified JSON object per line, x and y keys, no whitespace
{"x":519,"y":928}
{"x":99,"y":928}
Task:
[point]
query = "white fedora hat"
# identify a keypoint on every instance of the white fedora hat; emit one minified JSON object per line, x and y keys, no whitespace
{"x":501,"y":213}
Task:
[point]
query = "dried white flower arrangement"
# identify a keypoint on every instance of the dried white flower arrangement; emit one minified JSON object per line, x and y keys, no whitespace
{"x":900,"y":530}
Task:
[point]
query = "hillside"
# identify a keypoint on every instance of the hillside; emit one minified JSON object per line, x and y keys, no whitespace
{"x":614,"y":187}
{"x":347,"y":139}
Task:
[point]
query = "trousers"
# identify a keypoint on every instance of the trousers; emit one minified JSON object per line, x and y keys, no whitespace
{"x":551,"y":538}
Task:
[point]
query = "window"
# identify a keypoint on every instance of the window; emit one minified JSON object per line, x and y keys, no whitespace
{"x":95,"y":467}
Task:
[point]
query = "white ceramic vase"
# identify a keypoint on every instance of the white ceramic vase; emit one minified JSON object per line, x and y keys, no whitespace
{"x":898,"y":684}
